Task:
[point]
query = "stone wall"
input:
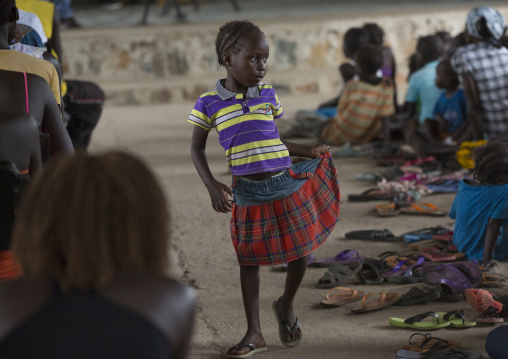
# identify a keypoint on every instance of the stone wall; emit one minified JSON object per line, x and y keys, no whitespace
{"x":161,"y":64}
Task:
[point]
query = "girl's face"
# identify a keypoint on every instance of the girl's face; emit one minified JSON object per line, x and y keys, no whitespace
{"x":247,"y":67}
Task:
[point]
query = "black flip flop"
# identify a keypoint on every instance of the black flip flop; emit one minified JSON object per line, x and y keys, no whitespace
{"x":374,"y":235}
{"x":373,"y":194}
{"x":284,"y":327}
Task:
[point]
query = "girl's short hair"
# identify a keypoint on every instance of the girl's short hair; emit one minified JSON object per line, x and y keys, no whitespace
{"x":88,"y":217}
{"x":491,"y":162}
{"x":230,"y":37}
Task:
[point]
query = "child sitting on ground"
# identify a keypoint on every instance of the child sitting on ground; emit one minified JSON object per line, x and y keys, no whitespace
{"x":422,"y":91}
{"x":480,"y":208}
{"x":365,"y":105}
{"x":354,"y":38}
{"x":451,"y":108}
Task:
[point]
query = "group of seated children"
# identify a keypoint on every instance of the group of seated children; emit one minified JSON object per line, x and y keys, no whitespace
{"x":447,"y":77}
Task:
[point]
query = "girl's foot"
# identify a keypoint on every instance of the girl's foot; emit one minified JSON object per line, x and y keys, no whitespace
{"x":243,"y":348}
{"x":292,"y":333}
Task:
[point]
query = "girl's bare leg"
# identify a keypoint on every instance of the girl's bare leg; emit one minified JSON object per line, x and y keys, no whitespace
{"x":295,"y":274}
{"x":249,"y":278}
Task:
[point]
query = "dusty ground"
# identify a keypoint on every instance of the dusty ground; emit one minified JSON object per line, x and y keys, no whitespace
{"x":204,"y":257}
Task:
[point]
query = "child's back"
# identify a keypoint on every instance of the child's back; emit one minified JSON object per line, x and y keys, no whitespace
{"x":364,"y":102}
{"x":472,"y":208}
{"x":480,"y":208}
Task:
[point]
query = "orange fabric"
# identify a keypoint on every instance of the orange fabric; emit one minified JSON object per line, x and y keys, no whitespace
{"x":9,"y":268}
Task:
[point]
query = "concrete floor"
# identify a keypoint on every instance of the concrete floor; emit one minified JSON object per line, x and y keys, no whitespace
{"x":203,"y":256}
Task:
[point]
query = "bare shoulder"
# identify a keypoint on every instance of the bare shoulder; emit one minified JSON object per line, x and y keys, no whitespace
{"x":36,"y":81}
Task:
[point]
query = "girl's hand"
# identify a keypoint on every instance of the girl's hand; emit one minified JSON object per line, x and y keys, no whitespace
{"x":318,"y":150}
{"x":219,"y":193}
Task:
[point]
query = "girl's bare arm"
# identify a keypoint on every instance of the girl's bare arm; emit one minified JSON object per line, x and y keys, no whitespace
{"x":296,"y":149}
{"x":218,"y":191}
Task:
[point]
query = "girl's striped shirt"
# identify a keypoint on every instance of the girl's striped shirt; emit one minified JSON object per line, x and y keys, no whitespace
{"x":246,"y":127}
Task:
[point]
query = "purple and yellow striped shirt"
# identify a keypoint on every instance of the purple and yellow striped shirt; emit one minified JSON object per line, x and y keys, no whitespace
{"x":246,"y":127}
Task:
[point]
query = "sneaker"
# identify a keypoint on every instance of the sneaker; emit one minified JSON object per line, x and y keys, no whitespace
{"x":416,"y":296}
{"x":482,"y":301}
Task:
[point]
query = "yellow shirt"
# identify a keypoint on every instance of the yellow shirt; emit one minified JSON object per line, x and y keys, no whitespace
{"x":44,"y":11}
{"x":12,"y":60}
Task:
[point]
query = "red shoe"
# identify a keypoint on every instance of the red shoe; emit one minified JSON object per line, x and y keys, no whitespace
{"x":482,"y":301}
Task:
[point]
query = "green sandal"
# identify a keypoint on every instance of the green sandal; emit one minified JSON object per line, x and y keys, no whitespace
{"x":416,"y":322}
{"x":457,"y":319}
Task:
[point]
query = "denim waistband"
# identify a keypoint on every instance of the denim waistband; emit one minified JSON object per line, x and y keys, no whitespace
{"x":247,"y":192}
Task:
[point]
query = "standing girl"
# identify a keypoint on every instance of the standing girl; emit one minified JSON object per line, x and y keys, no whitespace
{"x":281,"y":211}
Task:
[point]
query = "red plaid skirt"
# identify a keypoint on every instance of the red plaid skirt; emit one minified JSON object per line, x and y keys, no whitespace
{"x":292,"y":227}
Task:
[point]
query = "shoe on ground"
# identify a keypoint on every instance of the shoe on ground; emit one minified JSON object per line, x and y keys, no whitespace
{"x":481,"y":300}
{"x":417,"y":296}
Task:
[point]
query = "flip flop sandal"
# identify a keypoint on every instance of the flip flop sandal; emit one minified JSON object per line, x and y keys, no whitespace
{"x":416,"y":322}
{"x":426,"y":243}
{"x":446,"y":237}
{"x":387,"y":210}
{"x":443,"y":185}
{"x":253,"y":350}
{"x":343,"y":296}
{"x":412,"y":275}
{"x":347,"y":256}
{"x":425,"y":208}
{"x":457,"y":319}
{"x":427,"y":342}
{"x":373,"y":194}
{"x":423,"y":234}
{"x":336,"y":275}
{"x":392,"y":261}
{"x":384,"y":301}
{"x":416,"y":296}
{"x":435,"y":254}
{"x":374,"y":235}
{"x":369,"y":274}
{"x":284,"y":327}
{"x":403,"y":266}
{"x":443,"y":352}
{"x":448,"y":295}
{"x":488,"y":320}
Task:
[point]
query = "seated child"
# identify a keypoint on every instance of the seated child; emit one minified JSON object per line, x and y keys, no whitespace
{"x":364,"y":105}
{"x":354,"y":38}
{"x":422,"y":90}
{"x":451,"y":108}
{"x":480,"y":208}
{"x":388,"y":68}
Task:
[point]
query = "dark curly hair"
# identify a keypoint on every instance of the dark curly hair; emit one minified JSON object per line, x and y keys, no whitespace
{"x":491,"y":162}
{"x":230,"y":37}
